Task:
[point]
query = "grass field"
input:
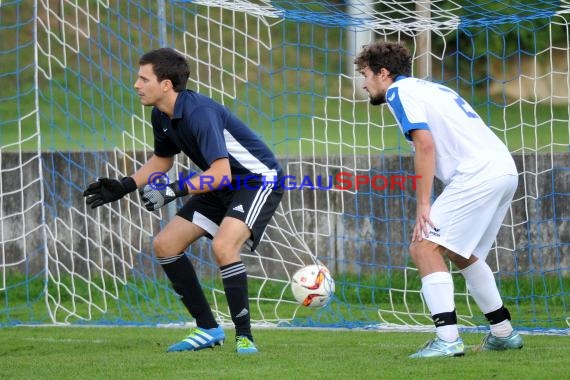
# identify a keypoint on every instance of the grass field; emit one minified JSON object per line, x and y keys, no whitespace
{"x":302,"y":132}
{"x":357,"y":302}
{"x":139,"y":353}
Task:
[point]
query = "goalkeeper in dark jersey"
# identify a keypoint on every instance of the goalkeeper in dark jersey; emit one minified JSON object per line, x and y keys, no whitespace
{"x":232,"y":199}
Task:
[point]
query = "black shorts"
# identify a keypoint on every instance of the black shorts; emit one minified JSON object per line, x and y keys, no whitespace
{"x":254,"y":204}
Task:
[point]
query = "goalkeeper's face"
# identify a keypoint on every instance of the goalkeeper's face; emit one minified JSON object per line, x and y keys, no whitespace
{"x":149,"y":89}
{"x":376,"y":85}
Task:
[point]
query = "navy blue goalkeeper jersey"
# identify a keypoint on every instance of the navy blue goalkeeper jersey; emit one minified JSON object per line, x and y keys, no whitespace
{"x":206,"y":131}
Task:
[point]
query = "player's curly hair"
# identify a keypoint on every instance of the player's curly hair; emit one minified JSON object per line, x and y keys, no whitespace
{"x":168,"y":64}
{"x":393,"y":56}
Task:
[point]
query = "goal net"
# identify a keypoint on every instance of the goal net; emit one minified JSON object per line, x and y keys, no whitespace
{"x":69,"y":114}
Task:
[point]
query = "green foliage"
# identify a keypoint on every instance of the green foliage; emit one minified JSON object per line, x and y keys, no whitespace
{"x":502,"y":30}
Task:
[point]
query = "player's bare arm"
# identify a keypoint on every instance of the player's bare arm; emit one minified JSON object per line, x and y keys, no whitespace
{"x":218,"y":171}
{"x":424,"y":163}
{"x":153,"y":165}
{"x":155,"y":197}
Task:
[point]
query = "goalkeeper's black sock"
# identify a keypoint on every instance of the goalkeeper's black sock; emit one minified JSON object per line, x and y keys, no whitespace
{"x":234,"y":277}
{"x":182,"y":275}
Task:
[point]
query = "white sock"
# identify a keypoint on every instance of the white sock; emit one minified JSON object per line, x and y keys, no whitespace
{"x":502,"y":329}
{"x":437,"y":289}
{"x":483,"y":288}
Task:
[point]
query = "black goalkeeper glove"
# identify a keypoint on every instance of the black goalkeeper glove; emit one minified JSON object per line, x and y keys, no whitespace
{"x":107,"y":190}
{"x":154,"y":198}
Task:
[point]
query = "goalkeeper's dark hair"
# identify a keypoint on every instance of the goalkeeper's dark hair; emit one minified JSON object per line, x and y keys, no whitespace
{"x":393,"y":56}
{"x":168,"y":64}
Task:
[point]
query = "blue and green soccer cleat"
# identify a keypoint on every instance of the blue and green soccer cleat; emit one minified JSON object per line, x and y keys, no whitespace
{"x":200,"y":338}
{"x":494,"y":343}
{"x":440,"y":348}
{"x":244,"y":345}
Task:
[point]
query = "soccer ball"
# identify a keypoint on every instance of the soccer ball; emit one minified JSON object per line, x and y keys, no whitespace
{"x":312,"y":286}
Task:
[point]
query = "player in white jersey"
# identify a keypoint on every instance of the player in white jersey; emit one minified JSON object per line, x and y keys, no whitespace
{"x":453,"y":144}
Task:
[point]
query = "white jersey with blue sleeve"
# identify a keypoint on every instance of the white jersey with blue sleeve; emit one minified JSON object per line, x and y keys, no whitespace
{"x":466,"y":148}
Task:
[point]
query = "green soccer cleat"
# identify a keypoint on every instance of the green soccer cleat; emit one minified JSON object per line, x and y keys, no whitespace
{"x":495,"y":343}
{"x":200,"y":338}
{"x":440,"y":348}
{"x":244,"y":345}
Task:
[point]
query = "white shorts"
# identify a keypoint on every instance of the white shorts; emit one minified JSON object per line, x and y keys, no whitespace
{"x":467,"y":219}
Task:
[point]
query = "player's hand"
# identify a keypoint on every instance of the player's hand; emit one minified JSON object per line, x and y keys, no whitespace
{"x":155,"y":197}
{"x":423,"y":223}
{"x":107,"y":190}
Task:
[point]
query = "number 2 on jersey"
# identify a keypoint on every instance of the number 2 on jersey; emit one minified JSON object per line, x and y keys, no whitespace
{"x":465,"y":107}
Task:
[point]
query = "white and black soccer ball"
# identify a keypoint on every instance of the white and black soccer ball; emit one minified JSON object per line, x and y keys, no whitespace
{"x":312,"y":286}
